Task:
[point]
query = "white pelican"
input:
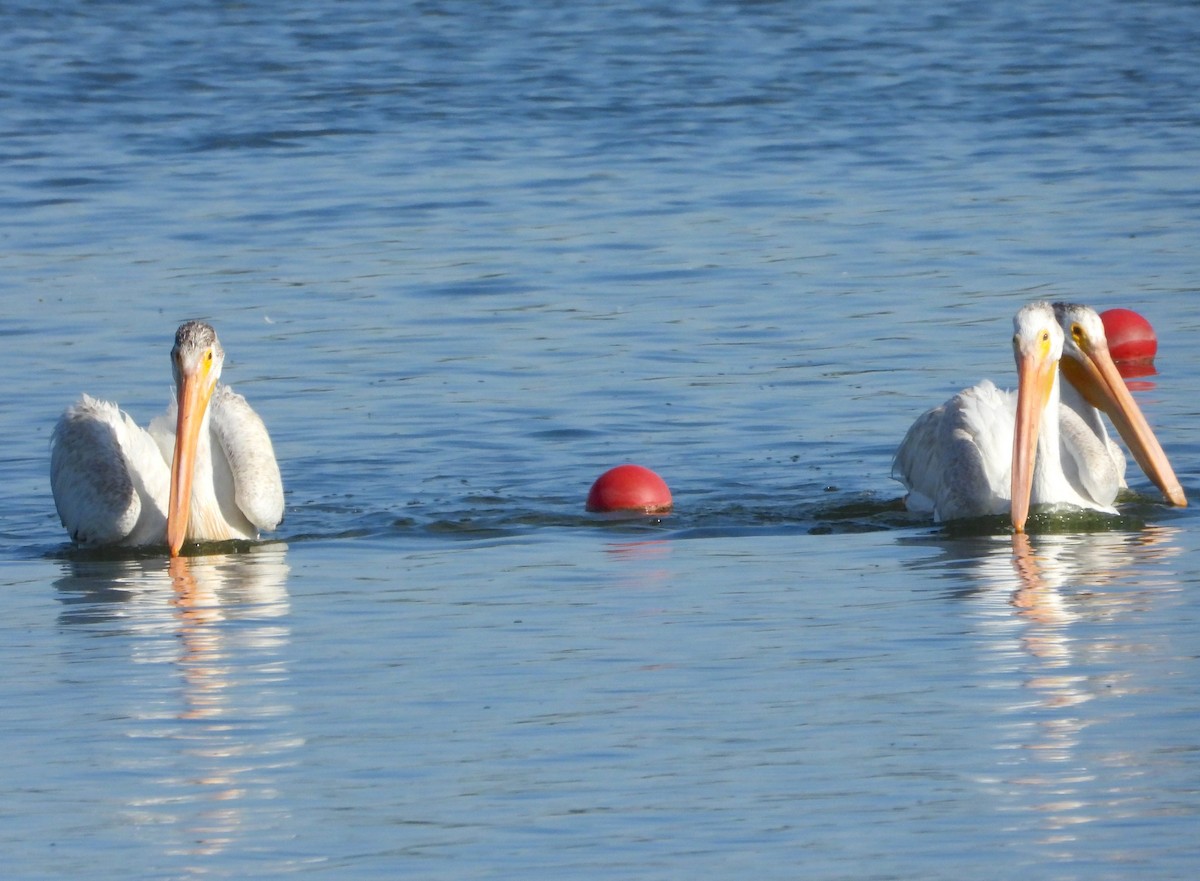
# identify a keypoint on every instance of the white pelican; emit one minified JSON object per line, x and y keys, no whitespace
{"x":205,"y":471}
{"x":1095,"y":384}
{"x":987,"y":452}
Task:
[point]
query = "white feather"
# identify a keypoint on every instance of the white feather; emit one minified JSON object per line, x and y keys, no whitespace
{"x":112,"y":480}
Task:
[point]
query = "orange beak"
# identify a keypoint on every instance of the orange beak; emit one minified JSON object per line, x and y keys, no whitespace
{"x":195,"y":390}
{"x":1035,"y":378}
{"x":1099,"y":381}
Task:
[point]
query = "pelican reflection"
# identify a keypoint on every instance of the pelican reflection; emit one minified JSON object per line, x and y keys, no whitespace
{"x":1051,"y":613}
{"x":210,"y":706}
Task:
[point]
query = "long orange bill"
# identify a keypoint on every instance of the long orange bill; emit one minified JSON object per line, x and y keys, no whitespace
{"x":1102,"y":385}
{"x":1035,"y":378}
{"x":194,"y":393}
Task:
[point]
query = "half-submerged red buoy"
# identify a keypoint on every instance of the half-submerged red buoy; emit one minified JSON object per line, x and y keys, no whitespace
{"x":629,"y":488}
{"x":1131,"y":341}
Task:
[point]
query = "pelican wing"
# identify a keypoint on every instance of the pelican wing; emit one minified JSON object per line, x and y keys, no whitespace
{"x":240,"y":434}
{"x":107,"y":476}
{"x":956,"y":459}
{"x":918,"y":461}
{"x":1088,"y":461}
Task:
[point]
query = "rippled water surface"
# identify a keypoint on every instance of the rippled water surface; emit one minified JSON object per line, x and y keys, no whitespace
{"x":465,"y":257}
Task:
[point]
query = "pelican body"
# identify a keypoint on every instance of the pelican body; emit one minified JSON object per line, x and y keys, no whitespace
{"x":988,"y":452}
{"x":204,"y":471}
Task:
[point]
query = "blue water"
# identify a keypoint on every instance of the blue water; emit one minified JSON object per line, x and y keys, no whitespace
{"x":465,"y":257}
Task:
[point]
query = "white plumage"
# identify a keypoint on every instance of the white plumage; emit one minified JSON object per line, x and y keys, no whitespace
{"x":957,"y":460}
{"x":114,"y":482}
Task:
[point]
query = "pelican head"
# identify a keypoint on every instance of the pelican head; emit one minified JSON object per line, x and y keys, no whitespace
{"x":1089,"y":367}
{"x":1037,"y":347}
{"x":196,"y":363}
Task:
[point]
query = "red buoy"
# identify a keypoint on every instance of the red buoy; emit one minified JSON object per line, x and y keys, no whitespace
{"x":1131,"y":341}
{"x":629,"y":488}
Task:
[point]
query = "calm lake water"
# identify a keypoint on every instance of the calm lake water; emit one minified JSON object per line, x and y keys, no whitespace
{"x":463,"y":257}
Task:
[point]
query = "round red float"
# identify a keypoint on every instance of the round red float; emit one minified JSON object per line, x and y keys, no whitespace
{"x":1131,"y":339}
{"x":629,"y":488}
